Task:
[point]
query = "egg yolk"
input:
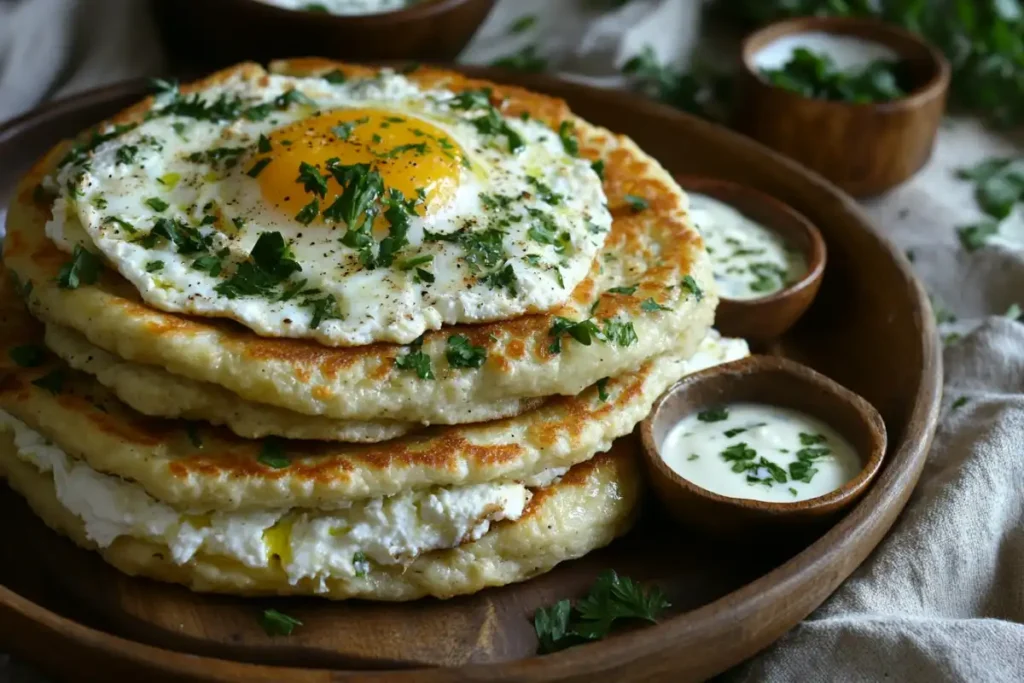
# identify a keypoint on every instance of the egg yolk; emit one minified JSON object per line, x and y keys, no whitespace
{"x":410,"y":154}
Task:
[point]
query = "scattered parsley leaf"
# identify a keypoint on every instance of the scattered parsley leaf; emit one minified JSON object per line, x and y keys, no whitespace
{"x":462,"y":354}
{"x":598,"y":167}
{"x":713,"y":414}
{"x":272,"y":453}
{"x":416,"y":360}
{"x":611,"y":599}
{"x":277,"y":624}
{"x":602,"y":389}
{"x":157,"y":204}
{"x":523,"y":23}
{"x":567,"y":134}
{"x":28,"y":355}
{"x":83,"y":269}
{"x":650,"y":305}
{"x":52,"y":381}
{"x":690,"y":284}
{"x":976,"y":236}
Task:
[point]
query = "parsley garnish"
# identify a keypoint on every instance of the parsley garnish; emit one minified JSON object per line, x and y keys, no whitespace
{"x":583,"y":331}
{"x":309,"y":212}
{"x":277,"y":624}
{"x":693,"y":287}
{"x":502,"y":277}
{"x":612,"y":598}
{"x":961,"y":401}
{"x":292,"y":97}
{"x":484,"y":249}
{"x":334,"y":77}
{"x":815,"y":75}
{"x":650,"y":305}
{"x":360,"y":563}
{"x":28,"y":356}
{"x":713,"y":414}
{"x":627,"y":291}
{"x":602,"y":389}
{"x":522,"y":23}
{"x":312,"y":180}
{"x":192,"y":432}
{"x":79,"y":152}
{"x":154,"y":266}
{"x":83,"y":269}
{"x":462,"y":354}
{"x":270,"y":264}
{"x":416,"y":360}
{"x":976,"y":235}
{"x":637,"y":204}
{"x":526,"y":60}
{"x":52,"y":381}
{"x":157,"y":204}
{"x":258,"y":167}
{"x":621,"y":333}
{"x":187,"y":239}
{"x":126,"y":154}
{"x":567,"y":134}
{"x":263,"y":144}
{"x":120,"y":222}
{"x":598,"y":167}
{"x":272,"y":453}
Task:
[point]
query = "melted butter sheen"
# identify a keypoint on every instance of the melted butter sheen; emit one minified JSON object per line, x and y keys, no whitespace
{"x":749,"y":260}
{"x":760,"y":452}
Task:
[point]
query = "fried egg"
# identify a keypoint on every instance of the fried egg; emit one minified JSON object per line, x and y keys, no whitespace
{"x":347,"y":211}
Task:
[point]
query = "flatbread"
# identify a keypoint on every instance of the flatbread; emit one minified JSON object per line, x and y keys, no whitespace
{"x":153,"y":391}
{"x":197,"y":467}
{"x":590,"y":506}
{"x":652,"y":246}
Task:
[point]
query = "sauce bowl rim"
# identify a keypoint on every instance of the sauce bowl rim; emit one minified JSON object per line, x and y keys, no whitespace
{"x":871,"y":422}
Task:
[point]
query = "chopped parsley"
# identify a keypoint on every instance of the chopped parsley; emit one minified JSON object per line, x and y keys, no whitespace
{"x":503,"y":277}
{"x":627,"y":291}
{"x":567,"y":134}
{"x":598,"y":167}
{"x":360,"y":563}
{"x":621,"y":333}
{"x":713,"y":414}
{"x":277,"y":624}
{"x":272,"y":453}
{"x":28,"y":356}
{"x":815,"y":75}
{"x":186,"y":239}
{"x":611,"y":599}
{"x":523,"y":23}
{"x":121,"y":223}
{"x":416,"y":360}
{"x":335,"y":77}
{"x":52,"y":381}
{"x":83,"y":269}
{"x":154,"y":266}
{"x":602,"y":389}
{"x":650,"y":305}
{"x":462,"y":354}
{"x":157,"y":204}
{"x":961,"y":401}
{"x":269,"y":265}
{"x":690,"y":284}
{"x":309,"y":212}
{"x":258,"y":167}
{"x":263,"y":144}
{"x":192,"y":432}
{"x":975,"y":236}
{"x":583,"y":331}
{"x":526,"y":60}
{"x":484,"y":248}
{"x":312,"y":180}
{"x":637,"y":204}
{"x":126,"y":154}
{"x":80,"y":151}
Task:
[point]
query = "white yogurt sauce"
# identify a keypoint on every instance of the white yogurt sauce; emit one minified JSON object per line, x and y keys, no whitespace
{"x":847,"y":52}
{"x":344,"y":7}
{"x":760,"y":452}
{"x":749,"y":260}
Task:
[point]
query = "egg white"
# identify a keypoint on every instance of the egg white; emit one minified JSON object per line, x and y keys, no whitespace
{"x":108,"y":198}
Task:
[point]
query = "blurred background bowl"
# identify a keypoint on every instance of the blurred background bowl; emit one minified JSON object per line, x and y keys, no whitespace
{"x":203,"y":34}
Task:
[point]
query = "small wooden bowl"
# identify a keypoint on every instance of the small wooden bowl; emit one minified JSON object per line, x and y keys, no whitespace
{"x":235,"y":30}
{"x":775,"y":381}
{"x":866,"y":149}
{"x":767,"y":317}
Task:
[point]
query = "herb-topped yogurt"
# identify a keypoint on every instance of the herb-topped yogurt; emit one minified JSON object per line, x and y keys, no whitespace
{"x":749,"y":260}
{"x":760,"y":452}
{"x":344,"y":7}
{"x":846,"y":52}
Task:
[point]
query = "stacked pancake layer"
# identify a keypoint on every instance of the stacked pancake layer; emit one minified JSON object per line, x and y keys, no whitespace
{"x":420,"y":399}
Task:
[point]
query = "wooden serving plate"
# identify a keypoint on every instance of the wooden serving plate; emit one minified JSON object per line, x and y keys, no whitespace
{"x":870,"y":329}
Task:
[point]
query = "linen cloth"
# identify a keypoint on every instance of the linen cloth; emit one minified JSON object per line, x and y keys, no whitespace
{"x":942,"y":598}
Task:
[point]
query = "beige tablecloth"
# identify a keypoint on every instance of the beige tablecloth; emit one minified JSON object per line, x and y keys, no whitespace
{"x":942,"y":598}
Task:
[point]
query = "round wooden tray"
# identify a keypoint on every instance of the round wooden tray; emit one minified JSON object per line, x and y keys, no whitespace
{"x":870,"y":329}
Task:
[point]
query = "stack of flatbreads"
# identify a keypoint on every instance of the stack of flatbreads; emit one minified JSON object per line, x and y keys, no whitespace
{"x":336,"y":331}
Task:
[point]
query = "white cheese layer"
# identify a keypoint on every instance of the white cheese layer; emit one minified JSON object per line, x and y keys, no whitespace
{"x":307,"y":543}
